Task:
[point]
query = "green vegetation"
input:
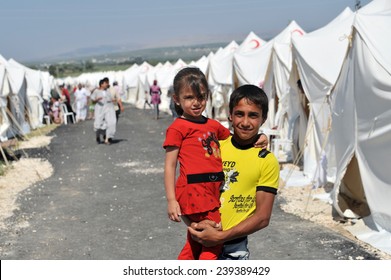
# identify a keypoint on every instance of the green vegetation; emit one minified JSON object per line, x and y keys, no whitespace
{"x":121,"y":61}
{"x":74,"y":69}
{"x":42,"y":130}
{"x":15,"y":145}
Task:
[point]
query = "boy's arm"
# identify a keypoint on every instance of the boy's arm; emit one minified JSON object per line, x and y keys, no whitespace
{"x":173,"y":209}
{"x":208,"y":236}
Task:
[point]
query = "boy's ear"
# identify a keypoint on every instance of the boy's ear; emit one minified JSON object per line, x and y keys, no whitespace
{"x":230,"y":118}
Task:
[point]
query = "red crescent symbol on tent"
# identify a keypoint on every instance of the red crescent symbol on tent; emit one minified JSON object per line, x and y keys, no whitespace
{"x":298,"y":31}
{"x":257,"y":43}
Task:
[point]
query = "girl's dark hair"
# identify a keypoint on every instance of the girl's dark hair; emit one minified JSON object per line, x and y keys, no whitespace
{"x":252,"y":93}
{"x":193,"y":78}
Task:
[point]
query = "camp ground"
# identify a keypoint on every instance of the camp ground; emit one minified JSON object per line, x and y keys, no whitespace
{"x":330,"y":105}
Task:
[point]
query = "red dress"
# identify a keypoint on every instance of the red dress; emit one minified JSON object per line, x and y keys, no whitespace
{"x":199,"y":153}
{"x":197,"y":188}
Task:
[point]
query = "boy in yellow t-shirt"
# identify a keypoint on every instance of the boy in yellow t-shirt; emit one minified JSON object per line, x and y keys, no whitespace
{"x":251,"y":178}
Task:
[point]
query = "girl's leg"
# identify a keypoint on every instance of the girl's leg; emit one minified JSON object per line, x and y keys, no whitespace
{"x":194,"y":250}
{"x":212,"y":253}
{"x":191,"y":250}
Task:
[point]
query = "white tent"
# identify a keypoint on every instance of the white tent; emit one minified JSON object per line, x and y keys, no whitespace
{"x":317,"y":62}
{"x":165,"y":77}
{"x":251,"y":60}
{"x":131,"y":83}
{"x":34,"y":94}
{"x":361,"y":128}
{"x":220,"y":79}
{"x":202,"y":64}
{"x":145,"y":79}
{"x":278,"y":89}
{"x":14,"y":92}
{"x":4,"y":120}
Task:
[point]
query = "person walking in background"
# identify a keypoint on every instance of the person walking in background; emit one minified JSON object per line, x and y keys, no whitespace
{"x":117,"y":100}
{"x":105,"y":120}
{"x":155,"y":93}
{"x":170,"y":93}
{"x":250,"y":173}
{"x":81,"y":97}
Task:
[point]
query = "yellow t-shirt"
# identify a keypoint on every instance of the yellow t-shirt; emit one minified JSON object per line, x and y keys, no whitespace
{"x":247,"y":170}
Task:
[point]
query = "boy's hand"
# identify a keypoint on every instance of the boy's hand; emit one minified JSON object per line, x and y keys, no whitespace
{"x":262,"y":141}
{"x":206,"y":233}
{"x":173,"y":211}
{"x":201,"y":224}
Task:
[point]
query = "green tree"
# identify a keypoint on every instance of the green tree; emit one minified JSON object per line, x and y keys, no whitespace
{"x":89,"y":65}
{"x":53,"y":70}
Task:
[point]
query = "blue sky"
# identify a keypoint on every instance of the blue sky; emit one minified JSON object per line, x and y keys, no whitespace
{"x":34,"y":29}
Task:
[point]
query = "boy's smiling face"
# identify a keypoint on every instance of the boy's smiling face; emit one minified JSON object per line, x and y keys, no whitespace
{"x":246,"y":120}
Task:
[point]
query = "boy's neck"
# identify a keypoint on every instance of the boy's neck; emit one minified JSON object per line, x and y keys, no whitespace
{"x":247,"y":142}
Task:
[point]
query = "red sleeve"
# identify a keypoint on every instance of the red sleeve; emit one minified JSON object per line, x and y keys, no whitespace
{"x":223,"y":132}
{"x":173,"y":138}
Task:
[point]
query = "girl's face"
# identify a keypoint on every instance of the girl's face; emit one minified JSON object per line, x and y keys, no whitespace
{"x":191,"y":105}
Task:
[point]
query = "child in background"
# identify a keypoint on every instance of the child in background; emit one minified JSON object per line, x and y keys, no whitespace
{"x":55,"y":110}
{"x":193,"y":140}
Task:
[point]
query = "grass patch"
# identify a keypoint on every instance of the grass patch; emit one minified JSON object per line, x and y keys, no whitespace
{"x":2,"y":168}
{"x":9,"y":147}
{"x":41,"y":131}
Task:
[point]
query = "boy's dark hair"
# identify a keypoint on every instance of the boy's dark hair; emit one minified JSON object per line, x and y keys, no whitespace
{"x":193,"y":78}
{"x":252,"y":93}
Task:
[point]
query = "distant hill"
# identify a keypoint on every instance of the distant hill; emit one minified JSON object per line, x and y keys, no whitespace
{"x":116,"y":55}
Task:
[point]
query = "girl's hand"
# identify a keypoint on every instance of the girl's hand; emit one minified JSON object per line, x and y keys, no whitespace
{"x":262,"y":141}
{"x":174,"y":211}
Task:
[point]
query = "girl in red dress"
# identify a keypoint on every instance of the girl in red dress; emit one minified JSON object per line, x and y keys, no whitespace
{"x":192,"y":140}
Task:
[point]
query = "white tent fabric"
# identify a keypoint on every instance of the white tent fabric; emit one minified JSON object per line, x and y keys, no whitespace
{"x":202,"y":64}
{"x":165,"y":78}
{"x":318,"y":57}
{"x":220,"y":79}
{"x":361,"y":128}
{"x":34,"y":94}
{"x":277,"y":86}
{"x":47,"y":84}
{"x":131,"y":83}
{"x":251,"y":60}
{"x":146,"y":70}
{"x":15,"y":88}
{"x":4,"y":121}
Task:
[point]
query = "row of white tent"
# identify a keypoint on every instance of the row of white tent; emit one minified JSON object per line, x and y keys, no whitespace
{"x":342,"y":118}
{"x":22,"y":91}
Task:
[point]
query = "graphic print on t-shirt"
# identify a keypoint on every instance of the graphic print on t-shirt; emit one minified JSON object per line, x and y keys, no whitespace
{"x":230,"y":174}
{"x":211,"y":145}
{"x":236,"y":201}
